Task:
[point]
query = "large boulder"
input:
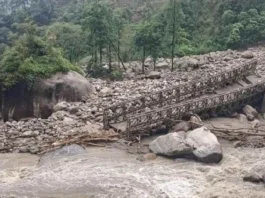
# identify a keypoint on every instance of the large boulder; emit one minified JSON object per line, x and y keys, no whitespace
{"x":171,"y":145}
{"x":20,"y":102}
{"x":207,"y":149}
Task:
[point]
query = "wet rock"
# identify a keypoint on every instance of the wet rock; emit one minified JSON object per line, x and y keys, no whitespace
{"x":171,"y":145}
{"x":65,"y":151}
{"x":248,"y":55}
{"x":182,"y":126}
{"x":254,"y":178}
{"x":207,"y":149}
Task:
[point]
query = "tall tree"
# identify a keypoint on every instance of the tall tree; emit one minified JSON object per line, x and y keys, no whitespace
{"x":70,"y":38}
{"x":96,"y":22}
{"x":141,"y":40}
{"x":175,"y":17}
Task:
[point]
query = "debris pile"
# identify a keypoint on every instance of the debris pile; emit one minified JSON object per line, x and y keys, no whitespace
{"x":77,"y":121}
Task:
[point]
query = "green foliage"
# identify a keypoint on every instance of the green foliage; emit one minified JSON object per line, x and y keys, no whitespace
{"x":70,"y":38}
{"x":106,"y":31}
{"x":95,"y":70}
{"x":31,"y":58}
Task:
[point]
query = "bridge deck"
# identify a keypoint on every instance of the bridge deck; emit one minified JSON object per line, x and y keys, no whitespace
{"x":251,"y":80}
{"x":176,"y":94}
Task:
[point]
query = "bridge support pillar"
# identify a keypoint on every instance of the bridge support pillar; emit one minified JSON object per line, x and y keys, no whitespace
{"x":263,"y":105}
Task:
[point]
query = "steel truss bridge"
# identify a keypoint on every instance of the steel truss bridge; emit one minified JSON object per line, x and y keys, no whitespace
{"x":178,"y":101}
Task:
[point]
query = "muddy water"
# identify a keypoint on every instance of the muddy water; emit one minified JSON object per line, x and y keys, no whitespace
{"x":114,"y":173}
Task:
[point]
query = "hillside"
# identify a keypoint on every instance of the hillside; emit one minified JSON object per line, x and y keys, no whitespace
{"x":96,"y":33}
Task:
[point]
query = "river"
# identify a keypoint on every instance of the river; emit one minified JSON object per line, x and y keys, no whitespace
{"x":108,"y":172}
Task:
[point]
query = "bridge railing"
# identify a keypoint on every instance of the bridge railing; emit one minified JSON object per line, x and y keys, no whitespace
{"x":118,"y":113}
{"x":175,"y":112}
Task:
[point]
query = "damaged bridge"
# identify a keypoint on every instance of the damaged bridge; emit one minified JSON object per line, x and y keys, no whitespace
{"x":226,"y":91}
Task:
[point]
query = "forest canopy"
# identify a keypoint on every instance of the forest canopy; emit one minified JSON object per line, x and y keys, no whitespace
{"x":41,"y":37}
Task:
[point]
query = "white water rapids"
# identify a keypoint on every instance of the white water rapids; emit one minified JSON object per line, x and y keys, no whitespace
{"x":103,"y":172}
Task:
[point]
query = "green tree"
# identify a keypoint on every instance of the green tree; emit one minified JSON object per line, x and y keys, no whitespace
{"x":155,"y":42}
{"x":175,"y":17}
{"x":96,"y":22}
{"x":142,"y":40}
{"x":70,"y":38}
{"x":30,"y":58}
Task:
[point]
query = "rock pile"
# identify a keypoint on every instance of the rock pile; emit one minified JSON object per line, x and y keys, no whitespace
{"x":211,"y":61}
{"x":38,"y":135}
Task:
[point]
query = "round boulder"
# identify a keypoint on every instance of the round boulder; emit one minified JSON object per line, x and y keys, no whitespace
{"x":171,"y":145}
{"x":39,"y":101}
{"x":207,"y":149}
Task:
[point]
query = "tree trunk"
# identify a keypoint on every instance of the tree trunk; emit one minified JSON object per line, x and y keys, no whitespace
{"x":100,"y":55}
{"x":173,"y":36}
{"x":118,"y":50}
{"x":110,"y":66}
{"x":100,"y":51}
{"x":143,"y":59}
{"x":96,"y":57}
{"x":119,"y":62}
{"x":115,"y":50}
{"x":154,"y":63}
